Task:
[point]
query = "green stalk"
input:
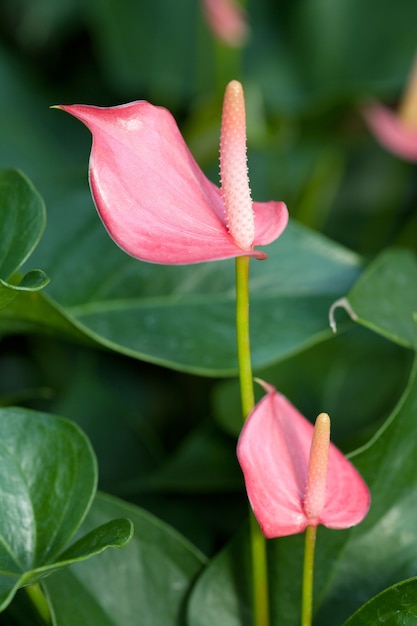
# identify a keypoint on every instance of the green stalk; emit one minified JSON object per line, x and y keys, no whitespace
{"x":242,"y":333}
{"x":308,"y":576}
{"x":258,"y":543}
{"x":39,"y":602}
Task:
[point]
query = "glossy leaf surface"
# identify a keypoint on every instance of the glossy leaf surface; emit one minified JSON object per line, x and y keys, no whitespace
{"x":384,"y":298}
{"x":22,"y":221}
{"x":48,"y":478}
{"x":169,"y":315}
{"x":32,"y":281}
{"x":149,"y":580}
{"x":396,"y":606}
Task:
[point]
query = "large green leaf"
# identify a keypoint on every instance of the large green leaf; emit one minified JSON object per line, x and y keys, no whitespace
{"x":48,"y":479}
{"x":395,"y":606}
{"x":351,"y":566}
{"x":184,"y":317}
{"x":147,"y":583}
{"x":384,"y":298}
{"x":22,"y":221}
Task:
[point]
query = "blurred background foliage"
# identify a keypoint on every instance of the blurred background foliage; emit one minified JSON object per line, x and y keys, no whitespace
{"x":166,"y":439}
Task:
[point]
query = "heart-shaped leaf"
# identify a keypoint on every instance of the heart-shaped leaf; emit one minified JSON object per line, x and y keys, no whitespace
{"x":351,"y":566}
{"x":22,"y":221}
{"x":149,"y":311}
{"x":384,"y":298}
{"x":147,"y":583}
{"x":395,"y":606}
{"x":48,"y":478}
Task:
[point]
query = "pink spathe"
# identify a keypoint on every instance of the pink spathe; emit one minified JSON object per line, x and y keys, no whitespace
{"x":392,"y":132}
{"x":274,"y":452}
{"x":151,"y":195}
{"x":227,"y":21}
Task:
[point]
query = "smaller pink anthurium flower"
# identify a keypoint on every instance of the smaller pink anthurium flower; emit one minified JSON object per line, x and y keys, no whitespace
{"x":295,"y":477}
{"x":227,"y":21}
{"x":153,"y":198}
{"x":397,"y":131}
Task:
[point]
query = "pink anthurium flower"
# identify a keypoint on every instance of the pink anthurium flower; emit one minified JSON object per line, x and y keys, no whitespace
{"x":153,"y":198}
{"x":391,"y":131}
{"x":227,"y":21}
{"x":397,"y":131}
{"x":294,"y":476}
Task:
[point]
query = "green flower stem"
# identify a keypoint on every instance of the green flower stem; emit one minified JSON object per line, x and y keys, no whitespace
{"x":242,"y":332}
{"x":258,"y":543}
{"x":308,"y":575}
{"x":38,"y":600}
{"x":260,"y":588}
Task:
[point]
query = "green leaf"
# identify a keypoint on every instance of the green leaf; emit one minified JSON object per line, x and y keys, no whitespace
{"x":22,"y":220}
{"x":222,"y":594}
{"x":36,"y":313}
{"x":151,"y":311}
{"x":48,"y":478}
{"x":32,"y":281}
{"x":114,"y":534}
{"x":146,"y":583}
{"x":395,"y":606}
{"x":351,"y":566}
{"x":384,"y":298}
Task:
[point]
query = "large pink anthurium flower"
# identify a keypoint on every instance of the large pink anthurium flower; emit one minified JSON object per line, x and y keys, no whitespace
{"x":153,"y":198}
{"x":294,"y":476}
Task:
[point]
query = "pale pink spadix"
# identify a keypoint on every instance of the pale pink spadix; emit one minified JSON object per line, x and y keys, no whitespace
{"x":234,"y":169}
{"x":153,"y":198}
{"x":318,"y":462}
{"x":294,"y":476}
